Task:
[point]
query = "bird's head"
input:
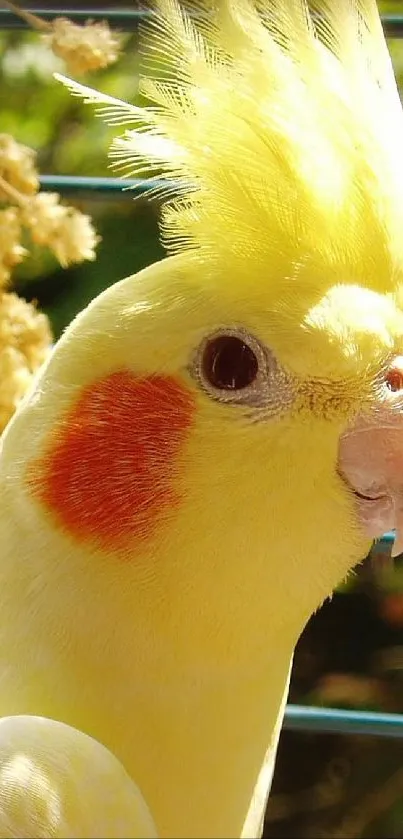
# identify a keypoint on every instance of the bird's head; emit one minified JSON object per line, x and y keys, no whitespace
{"x":227,"y":427}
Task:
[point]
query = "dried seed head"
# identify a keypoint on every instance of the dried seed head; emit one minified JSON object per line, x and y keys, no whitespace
{"x":17,"y":166}
{"x":68,"y":232}
{"x":11,"y":250}
{"x":25,"y":341}
{"x":84,"y":48}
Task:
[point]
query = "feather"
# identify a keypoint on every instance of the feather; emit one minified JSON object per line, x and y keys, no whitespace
{"x":281,"y":125}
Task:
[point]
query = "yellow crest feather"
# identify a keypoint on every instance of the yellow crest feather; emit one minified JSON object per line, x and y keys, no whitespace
{"x":280,"y":123}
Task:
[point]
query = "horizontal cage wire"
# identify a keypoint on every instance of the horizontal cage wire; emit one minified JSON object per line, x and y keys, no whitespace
{"x":129,"y":19}
{"x":297,"y":717}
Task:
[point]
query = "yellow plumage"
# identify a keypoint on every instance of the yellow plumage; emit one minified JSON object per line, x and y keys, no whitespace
{"x":56,"y":781}
{"x":282,"y":127}
{"x":179,"y":493}
{"x":281,"y":124}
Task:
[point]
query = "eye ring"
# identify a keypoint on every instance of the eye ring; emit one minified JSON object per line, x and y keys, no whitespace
{"x":231,"y":365}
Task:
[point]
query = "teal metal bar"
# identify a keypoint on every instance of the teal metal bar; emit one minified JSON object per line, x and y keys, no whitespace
{"x":110,"y":187}
{"x":393,"y":25}
{"x":124,"y":19}
{"x":388,"y":538}
{"x":129,"y":19}
{"x":335,"y":721}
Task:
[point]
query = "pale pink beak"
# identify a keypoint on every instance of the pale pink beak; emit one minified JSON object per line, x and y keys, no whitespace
{"x":371,"y":463}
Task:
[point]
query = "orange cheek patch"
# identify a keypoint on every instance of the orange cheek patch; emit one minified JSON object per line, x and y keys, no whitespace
{"x":109,"y":474}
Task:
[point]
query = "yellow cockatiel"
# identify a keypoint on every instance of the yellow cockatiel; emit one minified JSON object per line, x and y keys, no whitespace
{"x":214,"y":442}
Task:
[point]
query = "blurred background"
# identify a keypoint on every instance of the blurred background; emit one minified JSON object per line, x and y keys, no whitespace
{"x":351,"y":653}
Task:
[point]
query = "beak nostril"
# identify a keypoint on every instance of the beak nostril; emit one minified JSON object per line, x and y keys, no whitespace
{"x":366,"y":496}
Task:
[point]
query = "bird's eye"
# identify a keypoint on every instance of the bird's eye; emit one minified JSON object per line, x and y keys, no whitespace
{"x":233,"y":366}
{"x":394,"y":376}
{"x":228,"y":363}
{"x":394,"y":380}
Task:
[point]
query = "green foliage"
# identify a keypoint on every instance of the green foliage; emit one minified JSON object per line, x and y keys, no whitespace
{"x":39,"y":112}
{"x":63,"y":130}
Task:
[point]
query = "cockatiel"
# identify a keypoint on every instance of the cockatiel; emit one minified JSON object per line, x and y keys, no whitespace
{"x":214,"y":442}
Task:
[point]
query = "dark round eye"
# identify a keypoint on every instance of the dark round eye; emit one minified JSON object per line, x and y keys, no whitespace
{"x":228,"y":363}
{"x":394,"y":380}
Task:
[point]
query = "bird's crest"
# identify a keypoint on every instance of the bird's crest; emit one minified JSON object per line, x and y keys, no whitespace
{"x":279,"y":126}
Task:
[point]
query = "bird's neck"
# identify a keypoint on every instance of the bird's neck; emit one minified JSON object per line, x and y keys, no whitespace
{"x":186,"y":693}
{"x":200,"y":743}
{"x":214,"y":747}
